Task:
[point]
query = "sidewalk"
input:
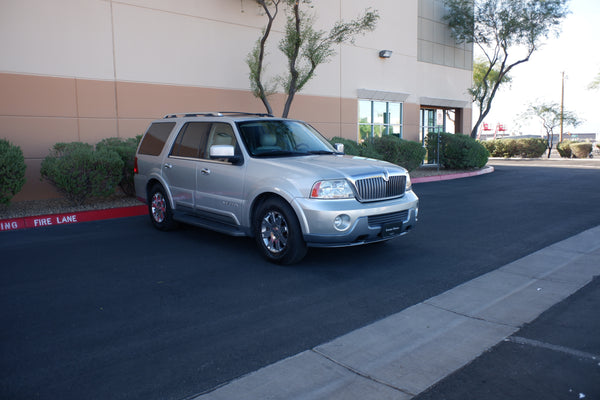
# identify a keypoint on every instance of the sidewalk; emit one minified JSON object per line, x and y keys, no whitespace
{"x":481,"y":340}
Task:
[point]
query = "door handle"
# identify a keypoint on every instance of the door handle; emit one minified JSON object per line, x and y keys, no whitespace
{"x":168,"y":166}
{"x":205,"y":171}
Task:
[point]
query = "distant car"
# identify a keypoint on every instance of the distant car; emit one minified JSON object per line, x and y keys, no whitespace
{"x":276,"y":180}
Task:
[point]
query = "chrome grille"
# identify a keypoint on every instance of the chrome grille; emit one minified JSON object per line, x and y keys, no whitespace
{"x":376,"y":188}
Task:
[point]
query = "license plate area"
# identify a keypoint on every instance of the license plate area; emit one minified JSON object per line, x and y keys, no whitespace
{"x":391,"y":229}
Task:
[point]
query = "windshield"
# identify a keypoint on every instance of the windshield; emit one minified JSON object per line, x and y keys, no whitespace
{"x":280,"y":138}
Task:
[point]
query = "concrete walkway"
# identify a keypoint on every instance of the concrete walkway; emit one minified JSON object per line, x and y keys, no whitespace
{"x":406,"y":353}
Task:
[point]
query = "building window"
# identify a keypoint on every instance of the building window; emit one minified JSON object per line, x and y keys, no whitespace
{"x":378,"y":118}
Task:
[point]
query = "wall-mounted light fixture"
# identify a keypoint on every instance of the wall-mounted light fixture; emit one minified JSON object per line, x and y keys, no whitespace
{"x":385,"y":53}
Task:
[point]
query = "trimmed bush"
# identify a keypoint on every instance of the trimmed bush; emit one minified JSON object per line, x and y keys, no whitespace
{"x":126,"y":149}
{"x":406,"y":153}
{"x":581,"y":149}
{"x":526,"y":148}
{"x":350,"y":146}
{"x":81,"y":173}
{"x":506,"y":148}
{"x":532,"y":147}
{"x":389,"y":148}
{"x":490,"y":146}
{"x":12,"y":170}
{"x":564,"y":148}
{"x":457,"y":151}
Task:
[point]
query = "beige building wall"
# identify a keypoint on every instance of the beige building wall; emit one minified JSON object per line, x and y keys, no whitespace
{"x":84,"y":70}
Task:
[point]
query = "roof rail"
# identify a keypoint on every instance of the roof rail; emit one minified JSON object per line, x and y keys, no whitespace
{"x":194,"y":114}
{"x":245,"y":113}
{"x":214,"y":114}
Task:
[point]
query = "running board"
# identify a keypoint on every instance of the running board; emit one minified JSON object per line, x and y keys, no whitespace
{"x":201,"y":222}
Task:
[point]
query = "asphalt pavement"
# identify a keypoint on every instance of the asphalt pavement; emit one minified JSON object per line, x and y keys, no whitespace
{"x":484,"y":339}
{"x":114,"y":309}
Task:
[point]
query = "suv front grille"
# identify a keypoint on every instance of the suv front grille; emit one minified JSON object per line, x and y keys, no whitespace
{"x":377,"y":188}
{"x":381,"y":219}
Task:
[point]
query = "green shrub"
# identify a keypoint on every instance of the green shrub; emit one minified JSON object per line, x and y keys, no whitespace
{"x":12,"y":170}
{"x":464,"y":152}
{"x":405,"y":153}
{"x":126,"y":149}
{"x":581,"y":149}
{"x":350,"y":146}
{"x":80,"y":172}
{"x":506,"y":148}
{"x":490,"y":146}
{"x":532,"y":147}
{"x":355,"y":149}
{"x":526,"y":148}
{"x":564,"y":148}
{"x":389,"y":148}
{"x":457,"y":151}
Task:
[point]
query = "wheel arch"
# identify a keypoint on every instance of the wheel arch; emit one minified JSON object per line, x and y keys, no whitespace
{"x":261,"y":198}
{"x":150,"y":184}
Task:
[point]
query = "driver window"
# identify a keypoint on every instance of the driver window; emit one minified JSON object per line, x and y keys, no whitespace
{"x":220,"y":134}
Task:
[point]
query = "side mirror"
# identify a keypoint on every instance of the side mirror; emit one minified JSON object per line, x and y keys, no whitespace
{"x":224,"y":151}
{"x":339,"y":147}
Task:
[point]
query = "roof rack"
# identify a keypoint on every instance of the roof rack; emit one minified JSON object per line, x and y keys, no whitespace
{"x":215,"y":114}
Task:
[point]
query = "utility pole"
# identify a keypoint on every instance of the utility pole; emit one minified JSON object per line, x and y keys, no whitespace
{"x":562,"y":104}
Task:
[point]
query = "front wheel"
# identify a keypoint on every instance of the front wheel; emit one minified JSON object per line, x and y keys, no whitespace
{"x":277,"y":232}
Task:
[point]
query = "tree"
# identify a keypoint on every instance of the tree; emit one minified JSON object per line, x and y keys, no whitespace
{"x":304,"y":47}
{"x":507,"y":32}
{"x":595,"y":83}
{"x":550,"y":114}
{"x":483,"y":78}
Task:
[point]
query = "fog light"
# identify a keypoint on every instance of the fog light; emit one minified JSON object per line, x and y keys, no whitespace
{"x":341,"y":222}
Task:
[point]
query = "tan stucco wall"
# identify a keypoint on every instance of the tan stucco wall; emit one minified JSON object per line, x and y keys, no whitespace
{"x":41,"y":111}
{"x":132,"y":61}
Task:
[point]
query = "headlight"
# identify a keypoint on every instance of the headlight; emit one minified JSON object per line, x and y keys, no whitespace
{"x":332,"y":189}
{"x":408,"y":183}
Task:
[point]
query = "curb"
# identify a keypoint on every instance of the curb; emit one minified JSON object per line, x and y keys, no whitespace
{"x":436,"y":178}
{"x":39,"y":221}
{"x":71,"y":218}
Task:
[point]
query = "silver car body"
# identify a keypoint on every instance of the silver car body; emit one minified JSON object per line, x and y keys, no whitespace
{"x":221,"y":194}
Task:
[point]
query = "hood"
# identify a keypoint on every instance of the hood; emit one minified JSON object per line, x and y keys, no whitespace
{"x":333,"y":166}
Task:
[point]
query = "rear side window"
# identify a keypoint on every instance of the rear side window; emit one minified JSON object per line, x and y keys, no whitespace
{"x":155,"y":138}
{"x":191,"y":141}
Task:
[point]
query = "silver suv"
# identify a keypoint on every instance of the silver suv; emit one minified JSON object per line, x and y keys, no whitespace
{"x":277,"y":180}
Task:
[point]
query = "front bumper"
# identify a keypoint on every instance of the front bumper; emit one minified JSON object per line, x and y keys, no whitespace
{"x":368,"y":222}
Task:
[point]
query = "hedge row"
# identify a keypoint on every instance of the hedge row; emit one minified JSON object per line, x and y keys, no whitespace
{"x":12,"y":170}
{"x":526,"y":148}
{"x":405,"y":153}
{"x":82,"y":171}
{"x":456,"y":151}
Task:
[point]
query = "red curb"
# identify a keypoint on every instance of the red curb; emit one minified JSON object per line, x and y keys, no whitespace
{"x":448,"y":177}
{"x":71,"y":218}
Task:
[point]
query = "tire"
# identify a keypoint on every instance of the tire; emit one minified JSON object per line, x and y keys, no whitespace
{"x":160,"y":210}
{"x":277,"y":232}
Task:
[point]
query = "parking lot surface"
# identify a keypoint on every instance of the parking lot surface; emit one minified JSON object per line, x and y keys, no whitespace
{"x":115,"y":309}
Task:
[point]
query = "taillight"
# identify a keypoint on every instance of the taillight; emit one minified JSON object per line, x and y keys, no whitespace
{"x":135,"y":167}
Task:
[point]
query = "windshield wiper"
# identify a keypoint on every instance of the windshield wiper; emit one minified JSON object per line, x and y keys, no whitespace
{"x":323,"y":152}
{"x":279,"y":153}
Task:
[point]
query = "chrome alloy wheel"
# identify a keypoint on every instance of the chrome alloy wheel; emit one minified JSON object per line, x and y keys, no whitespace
{"x":159,"y":207}
{"x":274,"y":231}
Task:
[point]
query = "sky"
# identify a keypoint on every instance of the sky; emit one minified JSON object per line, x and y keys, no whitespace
{"x":576,"y":52}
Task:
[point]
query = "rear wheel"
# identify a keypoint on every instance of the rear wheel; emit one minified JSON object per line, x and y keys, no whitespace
{"x":277,"y":232}
{"x":159,"y":209}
